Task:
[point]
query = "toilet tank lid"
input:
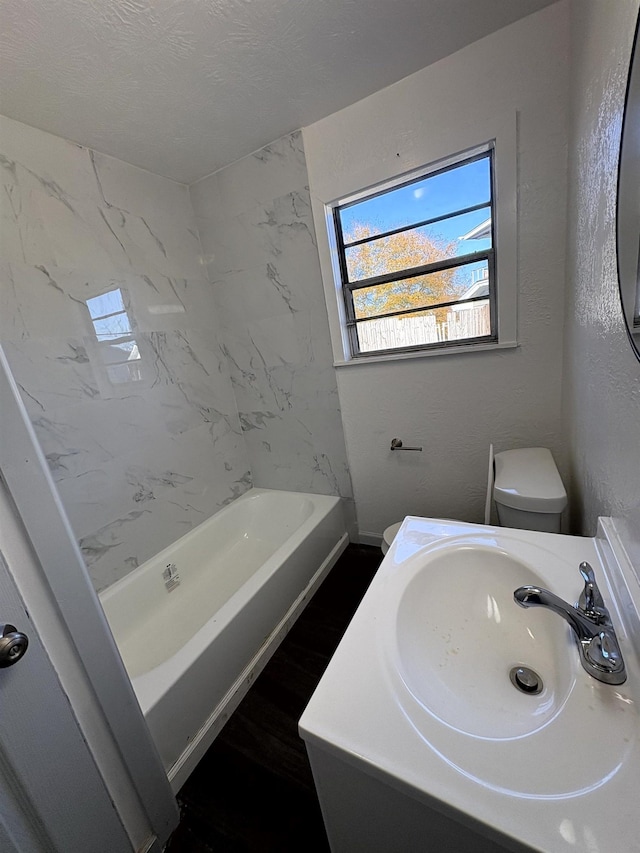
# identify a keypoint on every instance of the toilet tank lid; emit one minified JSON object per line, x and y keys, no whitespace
{"x":528,"y":479}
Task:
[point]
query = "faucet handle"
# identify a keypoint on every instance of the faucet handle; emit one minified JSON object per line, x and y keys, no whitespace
{"x":591,"y":601}
{"x":603,"y":651}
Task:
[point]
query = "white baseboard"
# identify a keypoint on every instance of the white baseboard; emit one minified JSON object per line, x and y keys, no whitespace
{"x":366,"y":538}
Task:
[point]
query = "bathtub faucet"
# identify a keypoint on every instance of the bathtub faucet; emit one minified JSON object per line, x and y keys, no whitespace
{"x":170,"y":576}
{"x":590,"y":621}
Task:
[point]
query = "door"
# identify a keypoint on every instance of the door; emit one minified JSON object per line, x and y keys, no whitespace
{"x":52,"y":795}
{"x":78,"y":768}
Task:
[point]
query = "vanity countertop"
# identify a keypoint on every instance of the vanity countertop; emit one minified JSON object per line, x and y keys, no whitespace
{"x":568,"y":782}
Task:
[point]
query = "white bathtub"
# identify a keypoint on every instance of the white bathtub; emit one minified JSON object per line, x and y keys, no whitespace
{"x":245,"y":575}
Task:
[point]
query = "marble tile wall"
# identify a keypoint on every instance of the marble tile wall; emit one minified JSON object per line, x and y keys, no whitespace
{"x":258,"y":239}
{"x":143,"y":435}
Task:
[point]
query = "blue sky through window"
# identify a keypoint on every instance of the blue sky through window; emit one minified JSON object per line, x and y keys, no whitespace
{"x":434,"y":195}
{"x":107,"y":303}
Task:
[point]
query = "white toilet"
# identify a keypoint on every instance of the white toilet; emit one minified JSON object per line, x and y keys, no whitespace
{"x":527,"y":490}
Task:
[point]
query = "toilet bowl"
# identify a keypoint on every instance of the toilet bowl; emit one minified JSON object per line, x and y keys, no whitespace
{"x":389,"y":535}
{"x":527,"y":490}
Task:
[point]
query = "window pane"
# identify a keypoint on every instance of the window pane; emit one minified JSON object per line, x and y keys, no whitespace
{"x":429,"y":327}
{"x":107,"y":303}
{"x":464,"y":282}
{"x":117,"y":353}
{"x":460,"y":235}
{"x":459,"y":187}
{"x":473,"y":280}
{"x":109,"y":328}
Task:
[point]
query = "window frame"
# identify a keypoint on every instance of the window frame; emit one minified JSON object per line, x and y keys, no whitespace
{"x":336,"y":172}
{"x":347,"y":287}
{"x":96,"y":348}
{"x":103,"y":344}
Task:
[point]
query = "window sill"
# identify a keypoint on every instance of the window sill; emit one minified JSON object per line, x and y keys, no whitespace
{"x":402,"y":356}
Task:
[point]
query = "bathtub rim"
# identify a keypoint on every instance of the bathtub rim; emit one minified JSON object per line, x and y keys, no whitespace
{"x":251,"y":494}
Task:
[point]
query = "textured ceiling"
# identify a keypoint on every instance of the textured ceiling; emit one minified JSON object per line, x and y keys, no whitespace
{"x":183,"y":87}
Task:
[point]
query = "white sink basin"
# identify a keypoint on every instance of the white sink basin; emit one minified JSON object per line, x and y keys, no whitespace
{"x":451,"y":636}
{"x":460,"y":633}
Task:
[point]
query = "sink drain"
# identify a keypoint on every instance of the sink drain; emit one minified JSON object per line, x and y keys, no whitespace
{"x":526,"y":680}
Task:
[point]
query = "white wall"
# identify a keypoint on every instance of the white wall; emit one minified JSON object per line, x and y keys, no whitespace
{"x":455,"y":405}
{"x":136,"y":464}
{"x":602,"y":376}
{"x":257,"y":234}
{"x":136,"y":470}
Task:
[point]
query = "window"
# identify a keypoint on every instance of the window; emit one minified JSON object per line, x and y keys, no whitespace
{"x":416,"y":259}
{"x":117,"y":349}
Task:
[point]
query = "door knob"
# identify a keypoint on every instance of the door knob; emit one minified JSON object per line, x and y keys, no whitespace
{"x":13,"y":645}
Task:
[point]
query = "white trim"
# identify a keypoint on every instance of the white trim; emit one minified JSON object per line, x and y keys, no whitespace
{"x":425,"y":353}
{"x":367,"y":538}
{"x":479,"y":232}
{"x":414,"y":174}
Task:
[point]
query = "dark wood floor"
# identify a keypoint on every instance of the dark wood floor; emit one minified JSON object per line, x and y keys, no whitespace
{"x":253,"y":790}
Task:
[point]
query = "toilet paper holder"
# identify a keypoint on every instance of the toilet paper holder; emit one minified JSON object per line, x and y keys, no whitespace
{"x":396,"y":444}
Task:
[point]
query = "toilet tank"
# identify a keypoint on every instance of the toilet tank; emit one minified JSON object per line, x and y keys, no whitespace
{"x":527,"y":489}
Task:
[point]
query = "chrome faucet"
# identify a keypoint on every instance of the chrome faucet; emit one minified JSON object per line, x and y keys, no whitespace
{"x":593,"y":630}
